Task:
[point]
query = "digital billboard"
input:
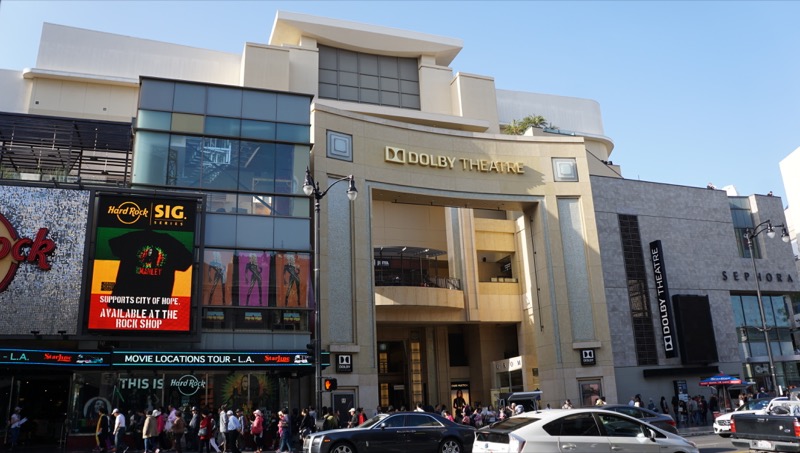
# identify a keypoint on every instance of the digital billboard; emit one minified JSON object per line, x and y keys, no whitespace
{"x":142,"y":265}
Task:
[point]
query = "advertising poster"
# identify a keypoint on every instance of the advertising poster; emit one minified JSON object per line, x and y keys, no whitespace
{"x":292,"y":270}
{"x":253,"y":279}
{"x":217,"y":273}
{"x":142,"y":266}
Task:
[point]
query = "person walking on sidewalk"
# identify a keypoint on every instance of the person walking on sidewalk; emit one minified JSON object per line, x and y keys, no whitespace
{"x":119,"y":431}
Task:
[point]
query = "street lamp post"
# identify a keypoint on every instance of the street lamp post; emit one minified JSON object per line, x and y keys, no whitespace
{"x":311,"y":187}
{"x":749,"y":235}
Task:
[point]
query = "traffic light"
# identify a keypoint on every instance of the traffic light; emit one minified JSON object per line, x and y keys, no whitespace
{"x":311,"y":352}
{"x":330,"y":384}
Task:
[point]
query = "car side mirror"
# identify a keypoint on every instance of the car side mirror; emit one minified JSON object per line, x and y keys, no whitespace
{"x":651,"y":434}
{"x":382,"y":426}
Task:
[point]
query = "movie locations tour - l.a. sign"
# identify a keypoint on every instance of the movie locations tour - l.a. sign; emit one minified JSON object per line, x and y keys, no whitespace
{"x":15,"y":250}
{"x":142,"y":267}
{"x":404,"y":157}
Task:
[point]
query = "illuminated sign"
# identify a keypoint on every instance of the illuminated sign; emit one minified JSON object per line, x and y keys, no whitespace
{"x":54,"y":358}
{"x":15,"y":250}
{"x":141,"y":276}
{"x":404,"y":157}
{"x":213,"y":359}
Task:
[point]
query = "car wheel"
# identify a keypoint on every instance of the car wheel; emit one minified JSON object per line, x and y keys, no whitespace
{"x":450,"y":446}
{"x":342,"y":448}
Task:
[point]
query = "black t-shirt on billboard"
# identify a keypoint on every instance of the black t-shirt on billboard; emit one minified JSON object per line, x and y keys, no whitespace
{"x":148,"y":262}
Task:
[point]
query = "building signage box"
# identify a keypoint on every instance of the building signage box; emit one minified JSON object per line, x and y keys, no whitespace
{"x":141,"y":276}
{"x":662,"y":293}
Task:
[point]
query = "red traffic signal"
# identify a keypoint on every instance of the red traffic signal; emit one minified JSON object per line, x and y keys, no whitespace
{"x":330,"y":384}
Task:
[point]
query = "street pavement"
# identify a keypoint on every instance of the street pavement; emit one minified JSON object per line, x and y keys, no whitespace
{"x":684,"y":431}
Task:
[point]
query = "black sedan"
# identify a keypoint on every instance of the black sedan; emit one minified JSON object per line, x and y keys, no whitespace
{"x":400,"y":432}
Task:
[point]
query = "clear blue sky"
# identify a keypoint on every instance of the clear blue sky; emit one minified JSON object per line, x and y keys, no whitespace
{"x":691,"y":92}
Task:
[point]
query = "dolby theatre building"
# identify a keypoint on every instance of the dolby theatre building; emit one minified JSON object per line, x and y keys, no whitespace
{"x":158,"y":245}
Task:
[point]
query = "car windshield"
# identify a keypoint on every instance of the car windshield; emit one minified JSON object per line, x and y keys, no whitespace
{"x":373,"y":421}
{"x":513,"y":423}
{"x":754,"y":405}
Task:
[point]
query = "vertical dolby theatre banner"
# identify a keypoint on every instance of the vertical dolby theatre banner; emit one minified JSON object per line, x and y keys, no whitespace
{"x":142,"y":269}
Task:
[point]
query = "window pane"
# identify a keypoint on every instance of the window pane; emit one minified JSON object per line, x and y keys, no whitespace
{"x":388,"y":84}
{"x":370,"y":96}
{"x":190,"y":98}
{"x":408,"y":68}
{"x":220,"y":160}
{"x":294,"y":109}
{"x":290,"y":168}
{"x":222,"y":126}
{"x":348,"y":61}
{"x":368,"y":64}
{"x":752,"y":316}
{"x":327,"y":57}
{"x":348,"y":79}
{"x":258,"y":129}
{"x":148,"y":119}
{"x":327,"y":91}
{"x":370,"y":82}
{"x":150,"y":158}
{"x":257,"y":167}
{"x":156,"y":95}
{"x":182,"y":122}
{"x":293,"y":133}
{"x":409,"y":101}
{"x":738,"y":314}
{"x":388,"y":98}
{"x":388,"y":66}
{"x":255,"y":232}
{"x":185,"y":160}
{"x":348,"y":94}
{"x":259,"y":105}
{"x":293,"y":233}
{"x":224,"y":101}
{"x":328,"y":76}
{"x":221,"y":202}
{"x":409,"y":87}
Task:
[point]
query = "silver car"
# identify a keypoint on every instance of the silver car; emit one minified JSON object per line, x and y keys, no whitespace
{"x":577,"y":430}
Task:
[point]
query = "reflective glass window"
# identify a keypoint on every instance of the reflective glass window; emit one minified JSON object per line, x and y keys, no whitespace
{"x":257,"y":167}
{"x":156,"y":94}
{"x":149,"y":119}
{"x":293,"y":133}
{"x":292,"y":233}
{"x":185,"y":163}
{"x":258,"y":105}
{"x":229,"y":127}
{"x":221,"y":202}
{"x":182,"y":122}
{"x":294,"y":109}
{"x":220,"y":163}
{"x":261,"y":130}
{"x":190,"y":98}
{"x":150,"y":154}
{"x":290,"y":168}
{"x":223,"y":101}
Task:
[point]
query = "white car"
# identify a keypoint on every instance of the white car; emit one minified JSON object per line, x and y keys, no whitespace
{"x":577,"y":430}
{"x":722,"y":424}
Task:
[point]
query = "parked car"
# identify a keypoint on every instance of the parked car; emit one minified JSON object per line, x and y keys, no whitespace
{"x":663,"y":421}
{"x":400,"y":432}
{"x":577,"y":430}
{"x":722,"y":424}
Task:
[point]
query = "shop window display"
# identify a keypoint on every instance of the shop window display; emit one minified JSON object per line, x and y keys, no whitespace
{"x":132,"y":392}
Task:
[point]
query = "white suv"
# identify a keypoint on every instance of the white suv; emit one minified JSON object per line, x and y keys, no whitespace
{"x":722,"y":424}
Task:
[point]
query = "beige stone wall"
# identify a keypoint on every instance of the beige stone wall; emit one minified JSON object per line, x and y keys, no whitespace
{"x":458,"y":172}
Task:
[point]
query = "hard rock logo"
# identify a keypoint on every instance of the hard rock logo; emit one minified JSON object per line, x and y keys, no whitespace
{"x":15,"y":250}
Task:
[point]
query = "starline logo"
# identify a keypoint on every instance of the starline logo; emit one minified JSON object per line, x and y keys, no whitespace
{"x":15,"y":250}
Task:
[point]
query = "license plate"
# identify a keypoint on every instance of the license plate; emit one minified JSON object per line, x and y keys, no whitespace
{"x":762,"y":444}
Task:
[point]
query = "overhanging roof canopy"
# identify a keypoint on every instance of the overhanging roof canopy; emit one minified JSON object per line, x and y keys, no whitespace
{"x":56,"y":146}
